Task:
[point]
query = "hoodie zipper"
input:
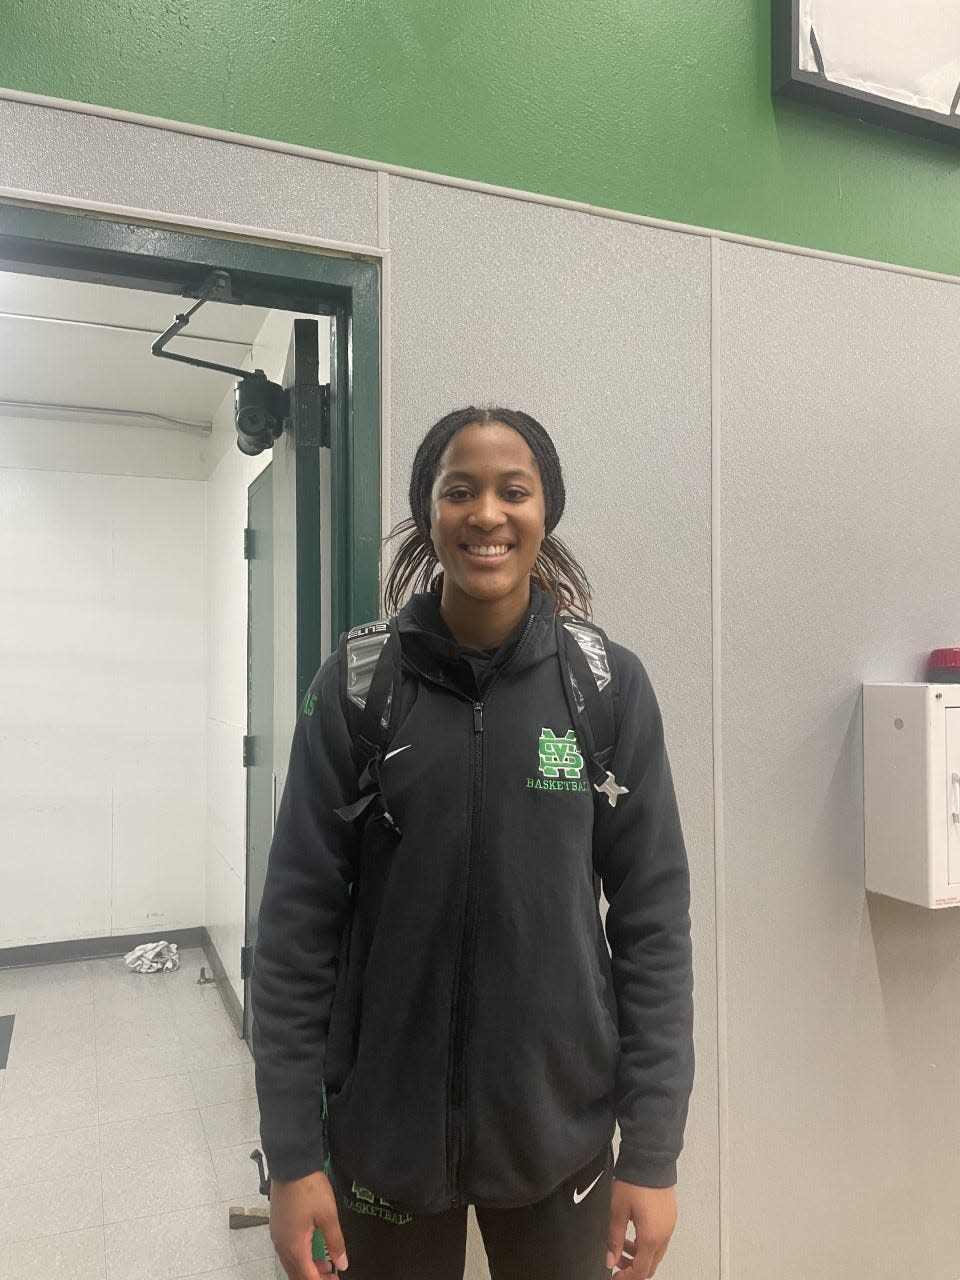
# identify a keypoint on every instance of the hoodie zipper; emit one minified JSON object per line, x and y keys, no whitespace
{"x":462,"y":978}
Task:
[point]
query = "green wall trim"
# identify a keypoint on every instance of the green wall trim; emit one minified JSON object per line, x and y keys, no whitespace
{"x":82,"y":247}
{"x":662,"y":110}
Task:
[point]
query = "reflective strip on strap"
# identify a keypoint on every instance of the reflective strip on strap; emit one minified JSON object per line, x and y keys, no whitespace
{"x":364,"y":646}
{"x":591,"y":644}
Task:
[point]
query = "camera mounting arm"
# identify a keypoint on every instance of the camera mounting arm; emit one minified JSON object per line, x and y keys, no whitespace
{"x":262,"y":407}
{"x":263,"y":410}
{"x":216,"y":286}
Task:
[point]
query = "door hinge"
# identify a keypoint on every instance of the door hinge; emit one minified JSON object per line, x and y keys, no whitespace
{"x":246,"y":956}
{"x":247,"y":750}
{"x":248,"y":544}
{"x":310,"y":415}
{"x":309,"y":401}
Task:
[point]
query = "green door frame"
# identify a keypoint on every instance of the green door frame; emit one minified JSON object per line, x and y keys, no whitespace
{"x":105,"y":251}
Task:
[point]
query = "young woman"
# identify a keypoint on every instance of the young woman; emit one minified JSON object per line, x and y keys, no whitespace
{"x":431,"y":962}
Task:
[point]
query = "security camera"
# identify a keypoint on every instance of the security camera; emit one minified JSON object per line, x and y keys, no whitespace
{"x":261,"y":407}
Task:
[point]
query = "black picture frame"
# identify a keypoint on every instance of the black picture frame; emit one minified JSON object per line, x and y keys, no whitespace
{"x":791,"y":81}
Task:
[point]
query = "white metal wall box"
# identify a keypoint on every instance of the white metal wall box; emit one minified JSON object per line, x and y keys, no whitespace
{"x":911,"y":792}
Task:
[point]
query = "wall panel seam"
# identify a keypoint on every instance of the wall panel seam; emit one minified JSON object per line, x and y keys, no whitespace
{"x":717,"y":742}
{"x":439,"y":179}
{"x":386,"y":390}
{"x":58,"y":469}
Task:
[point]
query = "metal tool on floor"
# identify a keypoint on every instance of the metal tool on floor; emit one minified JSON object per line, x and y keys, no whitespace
{"x":240,"y":1217}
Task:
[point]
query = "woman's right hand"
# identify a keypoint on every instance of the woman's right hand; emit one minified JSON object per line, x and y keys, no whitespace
{"x":297,"y":1209}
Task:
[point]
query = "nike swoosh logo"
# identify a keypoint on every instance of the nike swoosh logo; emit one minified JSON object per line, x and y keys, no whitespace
{"x":582,"y":1195}
{"x":396,"y":751}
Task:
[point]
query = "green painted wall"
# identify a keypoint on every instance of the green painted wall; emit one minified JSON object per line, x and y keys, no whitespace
{"x":651,"y":106}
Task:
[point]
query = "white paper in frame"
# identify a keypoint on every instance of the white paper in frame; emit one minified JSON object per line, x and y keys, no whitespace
{"x":901,"y":51}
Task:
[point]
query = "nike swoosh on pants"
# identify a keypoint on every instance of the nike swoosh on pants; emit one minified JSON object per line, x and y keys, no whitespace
{"x":581,"y":1195}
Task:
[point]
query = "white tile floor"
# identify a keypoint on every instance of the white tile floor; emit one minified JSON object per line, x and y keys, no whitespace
{"x":127,"y":1116}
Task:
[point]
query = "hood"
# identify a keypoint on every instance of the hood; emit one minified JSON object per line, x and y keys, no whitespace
{"x":431,"y":650}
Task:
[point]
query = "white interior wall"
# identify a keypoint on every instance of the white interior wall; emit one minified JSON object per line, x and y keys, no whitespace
{"x":103,"y":448}
{"x":178,"y":500}
{"x":101,"y":680}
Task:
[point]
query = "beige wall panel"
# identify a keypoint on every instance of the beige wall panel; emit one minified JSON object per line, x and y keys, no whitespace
{"x":91,"y":158}
{"x":601,"y":330}
{"x":839,"y":530}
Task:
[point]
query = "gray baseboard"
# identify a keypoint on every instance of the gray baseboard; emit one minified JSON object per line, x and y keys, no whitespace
{"x":118,"y":945}
{"x":227,"y":994}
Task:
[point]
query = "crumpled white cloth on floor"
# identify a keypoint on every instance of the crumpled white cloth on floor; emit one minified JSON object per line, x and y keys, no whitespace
{"x":153,"y":957}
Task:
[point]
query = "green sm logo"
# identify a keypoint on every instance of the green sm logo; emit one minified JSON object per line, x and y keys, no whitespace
{"x":559,"y":755}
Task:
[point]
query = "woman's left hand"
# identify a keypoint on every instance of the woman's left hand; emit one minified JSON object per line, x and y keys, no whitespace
{"x":653,"y":1212}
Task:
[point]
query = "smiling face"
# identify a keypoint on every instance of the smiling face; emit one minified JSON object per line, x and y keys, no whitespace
{"x":487,"y":515}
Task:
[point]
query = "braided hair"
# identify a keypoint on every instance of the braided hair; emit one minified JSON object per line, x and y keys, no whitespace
{"x":414,"y":566}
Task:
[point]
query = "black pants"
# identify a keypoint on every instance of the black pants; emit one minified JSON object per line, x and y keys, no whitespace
{"x":561,"y":1237}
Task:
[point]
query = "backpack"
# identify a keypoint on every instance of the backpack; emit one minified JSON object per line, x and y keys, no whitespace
{"x":370,"y":673}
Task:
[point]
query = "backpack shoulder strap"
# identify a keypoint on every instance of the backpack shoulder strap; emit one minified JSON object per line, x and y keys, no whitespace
{"x":360,"y":648}
{"x":370,"y":695}
{"x":587,"y":683}
{"x":369,"y":672}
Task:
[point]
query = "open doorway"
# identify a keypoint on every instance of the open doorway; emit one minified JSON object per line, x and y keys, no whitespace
{"x":128,"y":563}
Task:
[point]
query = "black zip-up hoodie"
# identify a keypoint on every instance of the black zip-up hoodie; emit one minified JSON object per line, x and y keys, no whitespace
{"x":452,"y":987}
